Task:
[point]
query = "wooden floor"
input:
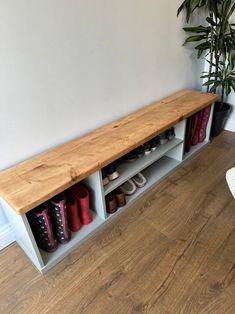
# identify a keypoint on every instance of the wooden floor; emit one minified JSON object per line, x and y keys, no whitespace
{"x":172,"y":252}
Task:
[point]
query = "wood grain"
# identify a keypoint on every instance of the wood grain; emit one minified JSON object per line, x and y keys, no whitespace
{"x":171,"y":252}
{"x":34,"y":181}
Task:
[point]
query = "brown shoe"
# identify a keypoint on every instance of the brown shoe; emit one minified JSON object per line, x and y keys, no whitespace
{"x":120,"y":197}
{"x":111,"y":204}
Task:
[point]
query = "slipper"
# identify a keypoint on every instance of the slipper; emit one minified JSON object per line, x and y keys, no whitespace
{"x":128,"y":187}
{"x":139,"y":180}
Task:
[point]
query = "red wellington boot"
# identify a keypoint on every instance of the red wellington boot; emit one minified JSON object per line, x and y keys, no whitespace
{"x":204,"y":121}
{"x":196,"y":129}
{"x":41,"y":226}
{"x":59,"y":215}
{"x":81,"y":194}
{"x":188,"y":135}
{"x":72,"y":211}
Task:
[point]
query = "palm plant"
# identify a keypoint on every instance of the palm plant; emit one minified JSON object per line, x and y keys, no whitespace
{"x":216,"y":41}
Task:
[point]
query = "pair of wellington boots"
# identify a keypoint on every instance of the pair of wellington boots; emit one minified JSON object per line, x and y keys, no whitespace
{"x":52,"y":221}
{"x":196,"y":128}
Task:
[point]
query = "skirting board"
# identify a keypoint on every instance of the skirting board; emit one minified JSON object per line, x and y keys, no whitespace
{"x":6,"y":236}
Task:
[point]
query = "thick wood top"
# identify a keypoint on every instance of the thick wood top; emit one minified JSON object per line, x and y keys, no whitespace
{"x":34,"y":181}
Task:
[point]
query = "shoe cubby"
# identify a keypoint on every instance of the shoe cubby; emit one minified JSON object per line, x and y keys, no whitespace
{"x":77,"y":238}
{"x":194,"y":149}
{"x":44,"y":260}
{"x":33,"y":182}
{"x":127,"y":170}
{"x":98,"y":212}
{"x":154,"y":173}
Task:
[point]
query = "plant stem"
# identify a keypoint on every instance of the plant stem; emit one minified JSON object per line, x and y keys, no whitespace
{"x":211,"y":53}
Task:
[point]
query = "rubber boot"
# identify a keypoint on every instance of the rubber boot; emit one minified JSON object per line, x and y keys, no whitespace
{"x":188,"y":135}
{"x":197,"y":126}
{"x":40,"y":222}
{"x":81,"y":194}
{"x":72,"y":210}
{"x":205,"y":118}
{"x":59,"y":215}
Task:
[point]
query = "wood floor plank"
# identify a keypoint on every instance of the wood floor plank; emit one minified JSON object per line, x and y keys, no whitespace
{"x":172,"y":252}
{"x":175,"y":290}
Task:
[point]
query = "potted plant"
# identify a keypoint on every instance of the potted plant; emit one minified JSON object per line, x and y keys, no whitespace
{"x":215,"y":41}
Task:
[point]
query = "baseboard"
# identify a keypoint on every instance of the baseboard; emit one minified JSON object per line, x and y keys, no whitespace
{"x":6,"y":236}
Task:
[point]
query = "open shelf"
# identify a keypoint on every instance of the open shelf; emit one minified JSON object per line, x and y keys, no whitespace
{"x":195,"y":149}
{"x":154,"y":174}
{"x":128,"y":169}
{"x":50,"y":259}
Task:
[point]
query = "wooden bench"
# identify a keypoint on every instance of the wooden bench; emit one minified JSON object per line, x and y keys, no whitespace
{"x":30,"y":183}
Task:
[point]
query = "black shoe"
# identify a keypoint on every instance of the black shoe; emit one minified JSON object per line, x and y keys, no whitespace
{"x":170,"y":134}
{"x":153,"y":144}
{"x":147,"y":148}
{"x":130,"y":157}
{"x":139,"y":151}
{"x":162,"y":138}
{"x":112,"y":172}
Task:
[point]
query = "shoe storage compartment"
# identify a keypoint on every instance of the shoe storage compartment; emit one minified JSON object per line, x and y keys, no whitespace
{"x":198,"y":147}
{"x":127,"y":170}
{"x":44,"y":260}
{"x":35,"y":181}
{"x":97,"y":209}
{"x":154,"y":173}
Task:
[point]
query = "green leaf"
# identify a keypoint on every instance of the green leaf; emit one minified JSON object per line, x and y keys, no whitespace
{"x":197,"y":29}
{"x":194,"y":38}
{"x":204,"y":46}
{"x":211,"y":21}
{"x":180,"y":9}
{"x":210,"y":82}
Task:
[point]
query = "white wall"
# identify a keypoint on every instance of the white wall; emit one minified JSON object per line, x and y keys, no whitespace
{"x":67,"y":67}
{"x":230,"y":124}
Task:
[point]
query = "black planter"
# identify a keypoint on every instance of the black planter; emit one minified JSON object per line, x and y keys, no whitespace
{"x":219,"y":118}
